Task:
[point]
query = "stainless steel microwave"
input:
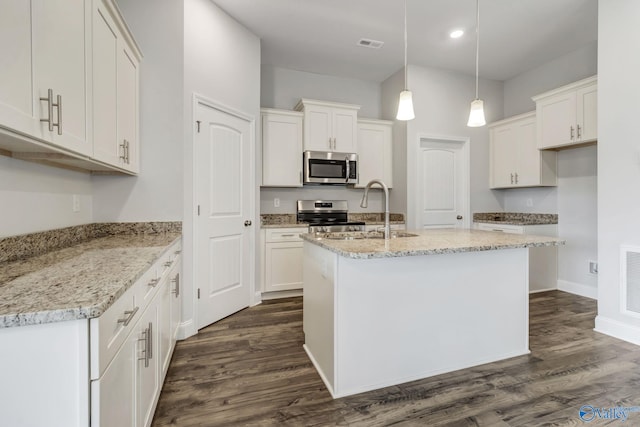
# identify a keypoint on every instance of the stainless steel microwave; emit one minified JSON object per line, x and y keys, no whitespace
{"x":322,"y":167}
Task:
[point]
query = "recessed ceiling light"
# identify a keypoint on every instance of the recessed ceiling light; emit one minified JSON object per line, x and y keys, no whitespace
{"x":374,"y":44}
{"x":456,"y":34}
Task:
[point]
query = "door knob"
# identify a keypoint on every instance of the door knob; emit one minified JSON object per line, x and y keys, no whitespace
{"x":459,"y":217}
{"x":247,"y":223}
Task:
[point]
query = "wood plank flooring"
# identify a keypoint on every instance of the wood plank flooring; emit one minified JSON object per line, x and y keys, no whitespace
{"x":250,"y":370}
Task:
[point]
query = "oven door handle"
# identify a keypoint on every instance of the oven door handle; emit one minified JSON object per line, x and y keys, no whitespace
{"x":348,"y":170}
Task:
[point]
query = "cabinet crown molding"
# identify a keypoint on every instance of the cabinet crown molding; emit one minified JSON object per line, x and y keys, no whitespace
{"x":369,"y":121}
{"x":306,"y":101}
{"x":569,"y":87}
{"x":281,"y":112}
{"x":507,"y":120}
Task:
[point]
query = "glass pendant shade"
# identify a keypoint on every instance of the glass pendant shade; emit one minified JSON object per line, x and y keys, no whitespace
{"x":405,"y":106}
{"x":476,"y":115}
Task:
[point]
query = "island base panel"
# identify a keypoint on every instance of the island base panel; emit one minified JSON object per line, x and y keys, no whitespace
{"x":404,"y":318}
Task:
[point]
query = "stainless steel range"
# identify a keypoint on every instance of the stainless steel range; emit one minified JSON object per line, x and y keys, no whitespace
{"x":326,"y":216}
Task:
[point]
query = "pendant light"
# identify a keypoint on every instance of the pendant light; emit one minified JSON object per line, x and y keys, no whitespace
{"x":405,"y":104}
{"x":476,"y":114}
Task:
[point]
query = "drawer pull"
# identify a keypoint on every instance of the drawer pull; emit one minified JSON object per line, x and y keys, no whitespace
{"x":287,"y":235}
{"x":497,"y":229}
{"x":178,"y":252}
{"x":130,"y":314}
{"x":176,"y":280}
{"x":168,"y":263}
{"x":153,"y":282}
{"x":148,"y":345}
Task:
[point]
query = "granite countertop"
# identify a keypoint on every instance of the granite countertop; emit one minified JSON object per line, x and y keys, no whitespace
{"x":77,"y":282}
{"x":515,"y":218}
{"x":430,"y":242}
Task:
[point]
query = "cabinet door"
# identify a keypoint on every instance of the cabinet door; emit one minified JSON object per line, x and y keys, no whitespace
{"x":164,"y":326}
{"x":281,"y":150}
{"x":147,"y":369}
{"x":105,"y":80}
{"x":587,"y":100}
{"x":556,"y":118}
{"x":528,"y":155}
{"x":345,"y":131}
{"x":113,"y":395}
{"x":374,"y":153}
{"x":504,"y":153}
{"x":128,"y":108}
{"x":59,"y":52}
{"x":318,"y":132}
{"x":16,"y":90}
{"x":283,"y":266}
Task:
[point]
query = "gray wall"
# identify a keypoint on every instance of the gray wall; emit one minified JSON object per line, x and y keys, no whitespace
{"x":283,"y":88}
{"x":34,"y":197}
{"x":575,"y":197}
{"x":156,"y":193}
{"x":618,"y":158}
{"x":441,"y":102}
{"x":222,"y":63}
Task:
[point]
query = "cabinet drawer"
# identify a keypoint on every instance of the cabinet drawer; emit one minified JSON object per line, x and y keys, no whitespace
{"x":285,"y":234}
{"x":504,"y":228}
{"x":109,"y":331}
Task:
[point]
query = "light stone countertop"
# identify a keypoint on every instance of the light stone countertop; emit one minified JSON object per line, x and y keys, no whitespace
{"x":78,"y":282}
{"x":430,"y":242}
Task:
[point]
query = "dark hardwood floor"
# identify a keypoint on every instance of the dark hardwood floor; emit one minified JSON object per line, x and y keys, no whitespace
{"x":250,"y":370}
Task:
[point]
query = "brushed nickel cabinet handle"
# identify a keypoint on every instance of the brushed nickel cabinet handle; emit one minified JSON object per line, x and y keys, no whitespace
{"x":153,"y":282}
{"x":579,"y":131}
{"x":49,"y":118}
{"x":130,"y":314}
{"x":59,"y":105}
{"x":176,"y":290}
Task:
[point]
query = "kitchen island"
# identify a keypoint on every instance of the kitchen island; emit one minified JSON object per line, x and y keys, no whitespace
{"x":382,"y":312}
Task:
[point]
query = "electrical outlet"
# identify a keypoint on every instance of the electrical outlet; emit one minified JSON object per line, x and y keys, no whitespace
{"x":593,"y":267}
{"x":76,"y":203}
{"x":276,"y":203}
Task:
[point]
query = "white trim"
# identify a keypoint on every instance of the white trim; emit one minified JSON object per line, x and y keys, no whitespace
{"x":186,"y":330}
{"x":536,"y":291}
{"x":412,"y":221}
{"x":199,"y":99}
{"x":281,"y":294}
{"x":578,"y":289}
{"x":618,"y":329}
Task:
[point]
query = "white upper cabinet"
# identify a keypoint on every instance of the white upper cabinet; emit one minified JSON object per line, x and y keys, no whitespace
{"x":374,"y":151}
{"x":43,"y":46}
{"x":329,"y":126}
{"x":17,"y":98}
{"x":69,"y":84}
{"x":515,"y":160}
{"x":281,"y":148}
{"x":115,"y":90}
{"x":568,"y":115}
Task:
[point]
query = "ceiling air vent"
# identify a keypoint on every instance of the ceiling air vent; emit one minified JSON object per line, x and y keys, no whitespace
{"x":373,"y":44}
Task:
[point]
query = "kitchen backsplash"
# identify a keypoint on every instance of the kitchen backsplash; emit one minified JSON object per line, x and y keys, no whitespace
{"x":27,"y":245}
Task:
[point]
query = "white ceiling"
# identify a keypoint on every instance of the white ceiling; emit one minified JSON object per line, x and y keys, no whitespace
{"x":320,"y":35}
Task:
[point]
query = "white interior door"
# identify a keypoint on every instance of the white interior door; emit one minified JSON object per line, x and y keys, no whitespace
{"x":443,"y":183}
{"x":224,"y":192}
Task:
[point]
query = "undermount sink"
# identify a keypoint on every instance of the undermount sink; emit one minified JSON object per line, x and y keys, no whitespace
{"x":358,"y":235}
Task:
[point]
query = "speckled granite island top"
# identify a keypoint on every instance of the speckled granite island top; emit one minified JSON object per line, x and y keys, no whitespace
{"x":430,"y":242}
{"x":78,"y":282}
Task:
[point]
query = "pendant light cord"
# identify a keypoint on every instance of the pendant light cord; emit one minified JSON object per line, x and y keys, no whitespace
{"x":405,"y":44}
{"x":477,"y":41}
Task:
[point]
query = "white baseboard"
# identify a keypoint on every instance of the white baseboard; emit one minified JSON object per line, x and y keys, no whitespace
{"x":578,"y":289}
{"x":282,"y":294}
{"x":535,"y":291}
{"x":617,"y":329}
{"x":186,"y":329}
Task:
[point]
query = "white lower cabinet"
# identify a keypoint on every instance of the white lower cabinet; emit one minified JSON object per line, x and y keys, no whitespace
{"x":126,"y":392}
{"x":543,"y":261}
{"x":282,"y":259}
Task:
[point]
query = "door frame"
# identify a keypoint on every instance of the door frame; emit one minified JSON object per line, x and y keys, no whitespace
{"x":414,"y":196}
{"x":190,"y":326}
